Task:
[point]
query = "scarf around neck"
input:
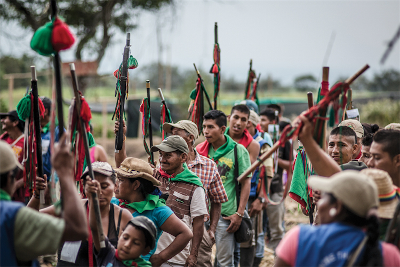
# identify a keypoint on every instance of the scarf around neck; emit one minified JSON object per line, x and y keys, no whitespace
{"x":150,"y":203}
{"x":246,"y":138}
{"x":138,"y":262}
{"x":203,"y":148}
{"x":4,"y":195}
{"x":186,"y":176}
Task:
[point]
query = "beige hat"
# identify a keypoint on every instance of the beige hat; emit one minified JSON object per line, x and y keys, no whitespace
{"x":387,"y":193}
{"x":137,"y":168}
{"x":355,"y":190}
{"x":172,"y":143}
{"x":355,"y":125}
{"x":8,"y":159}
{"x":393,"y":126}
{"x":254,"y":118}
{"x":100,"y":167}
{"x":187,"y":125}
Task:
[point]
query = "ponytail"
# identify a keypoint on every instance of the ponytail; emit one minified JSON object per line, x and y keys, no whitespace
{"x":372,"y":254}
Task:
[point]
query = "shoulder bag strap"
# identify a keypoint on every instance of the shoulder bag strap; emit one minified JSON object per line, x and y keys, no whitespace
{"x":236,"y":173}
{"x":119,"y":221}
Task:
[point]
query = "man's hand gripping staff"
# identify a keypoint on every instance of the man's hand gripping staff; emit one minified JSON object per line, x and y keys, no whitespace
{"x":290,"y":131}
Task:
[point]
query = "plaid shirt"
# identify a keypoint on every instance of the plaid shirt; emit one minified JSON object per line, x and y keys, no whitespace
{"x":207,"y":171}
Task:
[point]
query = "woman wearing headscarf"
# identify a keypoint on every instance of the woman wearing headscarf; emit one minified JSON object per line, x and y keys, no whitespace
{"x":349,"y":230}
{"x":134,"y":189}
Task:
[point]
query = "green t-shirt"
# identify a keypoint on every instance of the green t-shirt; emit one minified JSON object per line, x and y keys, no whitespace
{"x":226,"y":170}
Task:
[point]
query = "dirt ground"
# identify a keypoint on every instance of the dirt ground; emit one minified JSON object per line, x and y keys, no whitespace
{"x":134,"y":148}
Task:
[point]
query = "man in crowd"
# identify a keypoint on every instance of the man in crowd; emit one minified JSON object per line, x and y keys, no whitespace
{"x":220,"y":147}
{"x":357,"y":127}
{"x":276,"y":212}
{"x":25,"y":233}
{"x":238,"y":122}
{"x":252,"y":252}
{"x":13,"y":134}
{"x":342,"y":144}
{"x":185,"y":196}
{"x":365,"y":150}
{"x":207,"y":171}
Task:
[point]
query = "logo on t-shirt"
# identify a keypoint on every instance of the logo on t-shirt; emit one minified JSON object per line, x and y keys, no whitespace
{"x":224,"y":166}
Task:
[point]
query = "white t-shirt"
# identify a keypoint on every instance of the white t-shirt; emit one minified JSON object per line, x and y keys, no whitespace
{"x":197,"y":208}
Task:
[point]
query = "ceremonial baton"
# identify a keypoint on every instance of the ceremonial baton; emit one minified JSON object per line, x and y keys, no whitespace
{"x":38,"y":136}
{"x":150,"y":128}
{"x":83,"y":134}
{"x":310,"y":100}
{"x":201,"y":79}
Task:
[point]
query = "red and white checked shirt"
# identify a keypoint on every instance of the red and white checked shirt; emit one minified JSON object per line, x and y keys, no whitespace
{"x":207,"y":171}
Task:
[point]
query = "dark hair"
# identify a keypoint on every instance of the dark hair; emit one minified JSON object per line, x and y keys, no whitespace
{"x":372,"y":255}
{"x":217,"y":115}
{"x":146,"y":187}
{"x":147,"y":236}
{"x":390,"y":141}
{"x":367,"y":140}
{"x":269,"y":113}
{"x":4,"y":176}
{"x":241,"y":108}
{"x":345,"y":131}
{"x":282,"y":125}
{"x":370,"y":128}
{"x":275,"y":107}
{"x":46,"y":103}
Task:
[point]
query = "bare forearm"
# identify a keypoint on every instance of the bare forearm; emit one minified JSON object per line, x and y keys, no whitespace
{"x":179,"y":243}
{"x":34,"y":203}
{"x":198,"y":231}
{"x":215,"y":212}
{"x":74,"y":215}
{"x":322,"y":163}
{"x":244,"y":194}
{"x":121,"y":155}
{"x":284,"y":164}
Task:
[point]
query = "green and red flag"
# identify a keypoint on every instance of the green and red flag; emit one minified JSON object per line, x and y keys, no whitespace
{"x":250,"y":78}
{"x":216,"y":67}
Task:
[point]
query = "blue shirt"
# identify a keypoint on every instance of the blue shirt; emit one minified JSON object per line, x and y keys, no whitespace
{"x":46,"y":151}
{"x":158,"y":216}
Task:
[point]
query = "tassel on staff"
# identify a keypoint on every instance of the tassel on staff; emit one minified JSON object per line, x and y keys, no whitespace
{"x":146,"y":123}
{"x":216,"y":67}
{"x":250,"y":77}
{"x":165,"y":114}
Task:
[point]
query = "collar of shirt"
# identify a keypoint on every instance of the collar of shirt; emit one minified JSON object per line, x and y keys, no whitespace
{"x":197,"y":160}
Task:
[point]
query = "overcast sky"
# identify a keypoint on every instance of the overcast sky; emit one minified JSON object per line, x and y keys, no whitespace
{"x":285,"y":39}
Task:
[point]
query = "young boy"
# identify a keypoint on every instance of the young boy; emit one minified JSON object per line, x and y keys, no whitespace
{"x":138,"y":238}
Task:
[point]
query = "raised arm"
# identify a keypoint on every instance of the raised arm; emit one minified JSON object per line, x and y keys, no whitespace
{"x":121,"y":155}
{"x":93,"y":186}
{"x":74,"y":214}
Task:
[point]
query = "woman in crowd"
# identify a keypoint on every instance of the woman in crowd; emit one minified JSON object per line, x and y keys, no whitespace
{"x":349,"y":231}
{"x":134,"y":189}
{"x":112,"y":217}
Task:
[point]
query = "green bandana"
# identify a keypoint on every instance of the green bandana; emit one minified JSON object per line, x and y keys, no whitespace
{"x":150,"y":203}
{"x":4,"y":195}
{"x":139,"y":261}
{"x":46,"y":128}
{"x":187,"y":176}
{"x":225,"y":148}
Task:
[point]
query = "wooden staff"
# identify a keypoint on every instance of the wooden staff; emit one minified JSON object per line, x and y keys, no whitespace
{"x":57,"y":74}
{"x":150,"y":128}
{"x":266,"y":155}
{"x":162,"y":98}
{"x":83,"y":135}
{"x":119,"y":138}
{"x":310,"y":100}
{"x":36,"y":122}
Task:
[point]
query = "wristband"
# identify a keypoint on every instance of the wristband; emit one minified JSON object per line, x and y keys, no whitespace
{"x":36,"y":196}
{"x":238,"y":214}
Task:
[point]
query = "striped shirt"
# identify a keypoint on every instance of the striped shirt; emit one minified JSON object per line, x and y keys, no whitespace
{"x":207,"y":171}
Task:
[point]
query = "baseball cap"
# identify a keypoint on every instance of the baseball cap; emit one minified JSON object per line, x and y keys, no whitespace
{"x":13,"y":115}
{"x":187,"y":125}
{"x":8,"y":160}
{"x":250,"y":104}
{"x":355,"y":125}
{"x":100,"y":167}
{"x":387,"y":193}
{"x":357,"y":192}
{"x":254,"y":118}
{"x":354,"y":165}
{"x":172,"y":143}
{"x":393,"y":126}
{"x":148,"y":226}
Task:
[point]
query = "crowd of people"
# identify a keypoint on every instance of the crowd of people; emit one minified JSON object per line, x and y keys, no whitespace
{"x":172,"y":214}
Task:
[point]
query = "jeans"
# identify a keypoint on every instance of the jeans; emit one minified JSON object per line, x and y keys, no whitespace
{"x":225,"y":243}
{"x":260,"y":246}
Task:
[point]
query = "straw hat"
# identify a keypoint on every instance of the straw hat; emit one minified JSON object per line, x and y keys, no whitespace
{"x":137,"y":168}
{"x":387,"y":193}
{"x":254,"y":118}
{"x":393,"y":126}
